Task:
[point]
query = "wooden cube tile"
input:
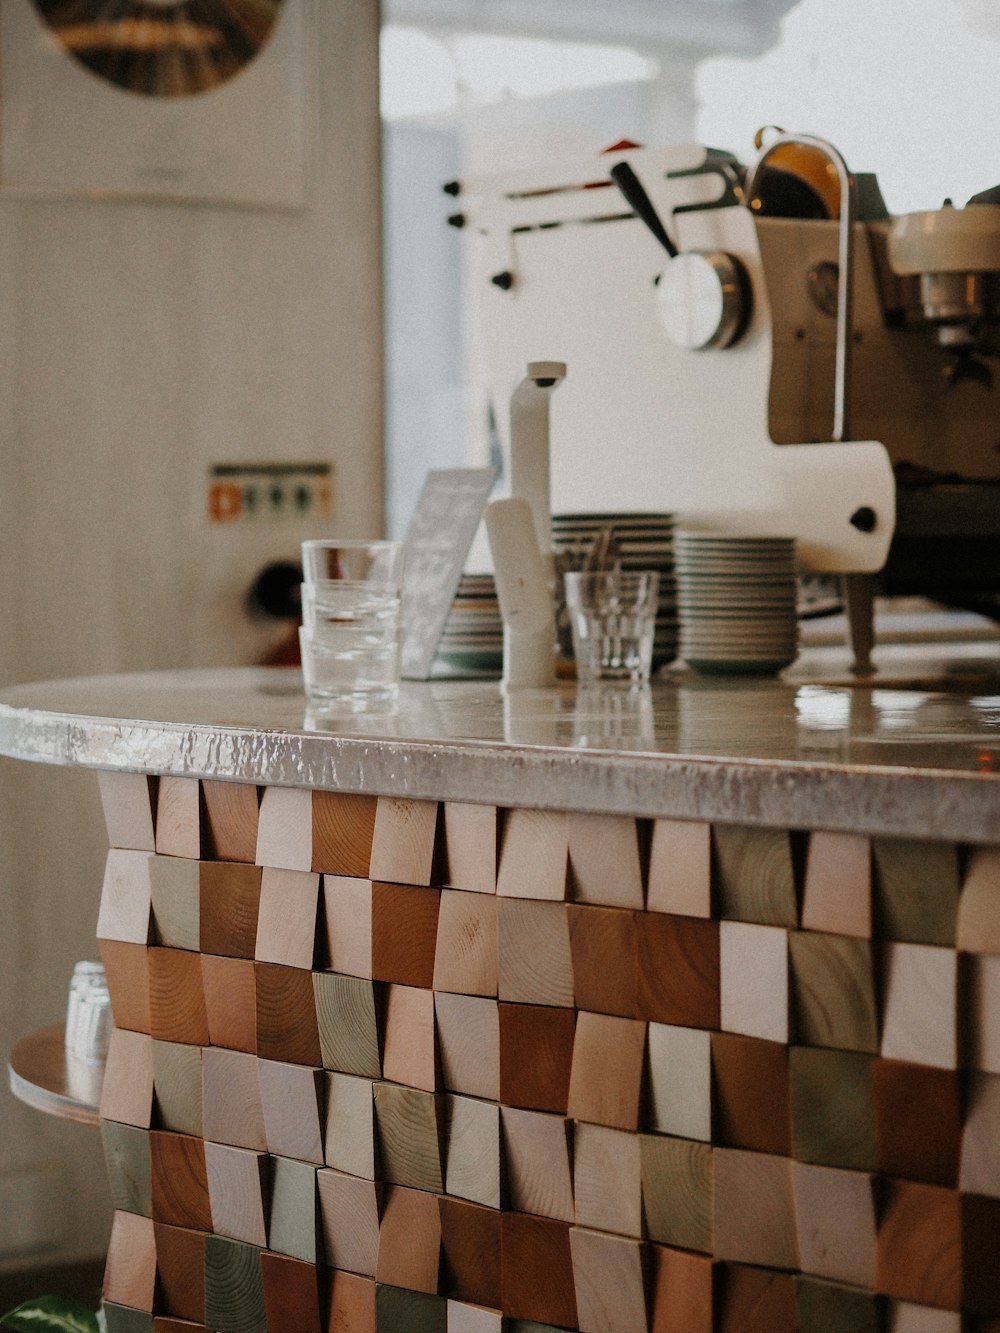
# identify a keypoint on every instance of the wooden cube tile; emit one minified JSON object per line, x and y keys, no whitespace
{"x":607,"y":1179}
{"x":293,"y":1099}
{"x":167,"y":1324}
{"x":536,"y":1278}
{"x":470,"y":847}
{"x":352,"y":1303}
{"x":179,"y":1181}
{"x":464,"y":1317}
{"x":180,"y":1261}
{"x":604,"y":860}
{"x":470,"y":1244}
{"x":833,"y":991}
{"x":833,"y":1117}
{"x":409,"y":1247}
{"x":606,"y":1082}
{"x":177,"y":998}
{"x":175,"y":891}
{"x":837,"y":894}
{"x":534,"y":855}
{"x":231,"y":1107}
{"x":126,"y":1157}
{"x":127,"y":1090}
{"x":416,"y":1311}
{"x":680,"y":868}
{"x":285,"y":829}
{"x":239,"y":1185}
{"x":230,"y":905}
{"x":536,"y":1056}
{"x":680,"y":1081}
{"x":294,"y":1294}
{"x":351,"y":1017}
{"x":343,"y":825}
{"x":347,"y":925}
{"x":177,"y":1087}
{"x":752,"y":1093}
{"x":130,"y":1269}
{"x":536,"y":965}
{"x":466,"y":955}
{"x":836,"y":1308}
{"x":230,"y":989}
{"x":128,"y":801}
{"x":917,"y":888}
{"x":293,"y":1223}
{"x":232,"y":812}
{"x":905,"y":1317}
{"x":754,"y":1214}
{"x":472,"y":1151}
{"x":980,"y":1147}
{"x":123,"y":1319}
{"x":918,"y":1121}
{"x":286,"y":924}
{"x":982,"y":1033}
{"x":677,"y":1191}
{"x":350,"y":1144}
{"x":920,"y":1016}
{"x":756,"y":1299}
{"x":755,"y":875}
{"x":678,"y":962}
{"x":178,"y":817}
{"x":234,"y":1287}
{"x":404,"y":933}
{"x":287,"y":1024}
{"x":683,"y":1291}
{"x":126,"y":968}
{"x":125,"y":912}
{"x":605,"y":959}
{"x":350,"y":1211}
{"x":538,"y":1155}
{"x":403,"y":840}
{"x":468,"y":1028}
{"x":410,"y":1133}
{"x":410,"y":1050}
{"x":753,"y":964}
{"x":980,"y":1279}
{"x":609,"y":1279}
{"x":978,"y":922}
{"x":835,"y":1223}
{"x":919,"y":1248}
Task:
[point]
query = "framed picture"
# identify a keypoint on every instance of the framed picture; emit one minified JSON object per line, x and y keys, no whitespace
{"x":181,"y":99}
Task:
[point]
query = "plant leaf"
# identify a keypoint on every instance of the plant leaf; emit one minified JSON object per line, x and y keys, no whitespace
{"x":50,"y":1314}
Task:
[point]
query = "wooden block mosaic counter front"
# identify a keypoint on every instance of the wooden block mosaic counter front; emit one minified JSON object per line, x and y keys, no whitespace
{"x":395,"y":1063}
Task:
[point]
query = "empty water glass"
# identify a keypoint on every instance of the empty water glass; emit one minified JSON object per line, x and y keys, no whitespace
{"x":613,"y":621}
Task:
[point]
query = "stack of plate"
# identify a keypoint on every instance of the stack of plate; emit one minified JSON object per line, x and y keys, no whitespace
{"x":635,"y":541}
{"x":737,"y":599}
{"x":472,"y":639}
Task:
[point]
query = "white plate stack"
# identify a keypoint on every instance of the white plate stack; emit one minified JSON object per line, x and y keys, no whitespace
{"x":471,"y":642}
{"x":737,"y":599}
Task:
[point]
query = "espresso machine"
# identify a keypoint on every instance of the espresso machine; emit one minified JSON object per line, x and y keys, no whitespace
{"x":759,"y":349}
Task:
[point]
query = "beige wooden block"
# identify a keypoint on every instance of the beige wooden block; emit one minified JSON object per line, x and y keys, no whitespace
{"x":238,"y":1192}
{"x":130,"y":1271}
{"x":837,"y":896}
{"x":607,"y":1180}
{"x":835,"y":1223}
{"x":606,"y":1079}
{"x":536,"y":963}
{"x":410,"y":1052}
{"x":350,"y":1145}
{"x":347,"y":925}
{"x":979,"y":1172}
{"x":175,"y":887}
{"x":905,"y":1317}
{"x":604,"y":860}
{"x":677,"y":1191}
{"x":468,"y":1029}
{"x":920,"y":1008}
{"x":410,"y":1133}
{"x":284,"y":829}
{"x":471,"y":846}
{"x":126,"y":898}
{"x":286,"y":922}
{"x":128,"y":802}
{"x":293,"y":1104}
{"x":917,"y":890}
{"x":177,"y":1087}
{"x":978,"y":929}
{"x":609,"y":1278}
{"x":350,"y":1209}
{"x":231,"y":1105}
{"x":983,"y":1031}
{"x":472,"y":1152}
{"x":754,"y":1218}
{"x":403,"y":842}
{"x":680,"y":868}
{"x":465,"y":1318}
{"x":178,"y":817}
{"x":833,"y":991}
{"x":534,"y":855}
{"x":350,"y":1018}
{"x":127,"y":1090}
{"x":539,"y":1162}
{"x":680,"y":1081}
{"x":755,"y":875}
{"x":466,"y":955}
{"x":753,"y":961}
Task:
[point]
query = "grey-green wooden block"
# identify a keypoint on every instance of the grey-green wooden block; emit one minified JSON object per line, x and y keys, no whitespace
{"x":409,"y":1135}
{"x":830,"y":1307}
{"x":916,"y":890}
{"x":126,"y":1155}
{"x":123,"y":1319}
{"x":234,"y":1287}
{"x":350,"y":1023}
{"x":833,"y":1118}
{"x":293,"y":1226}
{"x":677,"y":1191}
{"x":833,"y":992}
{"x":174,"y":883}
{"x":754,"y":873}
{"x":177,"y":1087}
{"x":397,"y":1309}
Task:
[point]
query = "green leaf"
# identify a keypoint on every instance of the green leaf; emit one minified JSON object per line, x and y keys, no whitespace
{"x":50,"y":1314}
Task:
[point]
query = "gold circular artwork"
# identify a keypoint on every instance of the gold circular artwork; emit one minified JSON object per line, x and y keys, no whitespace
{"x":162,"y":48}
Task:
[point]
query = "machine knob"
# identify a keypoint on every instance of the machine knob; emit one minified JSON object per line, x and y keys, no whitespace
{"x":703,"y":299}
{"x":276,"y":592}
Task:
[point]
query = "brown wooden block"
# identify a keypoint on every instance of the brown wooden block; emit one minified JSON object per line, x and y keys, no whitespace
{"x":416,"y":1311}
{"x":918,"y":1121}
{"x":678,"y":970}
{"x":756,"y":1300}
{"x":350,"y":1209}
{"x":293,"y":1294}
{"x":347,"y":925}
{"x":680,"y":868}
{"x":534,"y":855}
{"x":677,"y":1191}
{"x":230,"y":989}
{"x":919,"y":1250}
{"x":536,"y":1277}
{"x":755,"y":875}
{"x":126,"y":898}
{"x":752,"y":1093}
{"x":352,"y":1304}
{"x":754,"y":1213}
{"x":238,"y":1192}
{"x":753,"y":964}
{"x":180,"y":1259}
{"x":607,"y":1179}
{"x":130,"y":1270}
{"x":835,"y":1223}
{"x":836,"y":1308}
{"x":409,"y":1135}
{"x":176,"y":997}
{"x":128,"y":801}
{"x":466,"y":955}
{"x":471,"y":847}
{"x":293,"y":1099}
{"x":127,"y":1091}
{"x":174,"y":886}
{"x":604,"y":860}
{"x":287,"y":1026}
{"x":837,"y":895}
{"x":680,"y":1081}
{"x":126,"y":967}
{"x":473,"y":1157}
{"x":230,"y":904}
{"x":231,"y":1106}
{"x":536,"y":965}
{"x":404,"y":933}
{"x":234,"y":1289}
{"x":293,"y":1224}
{"x":538,"y":1155}
{"x":409,"y":1247}
{"x":605,"y":959}
{"x":466,"y":1318}
{"x":982,"y":1030}
{"x":343,"y":825}
{"x":410,"y":1052}
{"x":179,"y":1181}
{"x":403,"y":840}
{"x":978,"y":923}
{"x":469,"y":1040}
{"x":351,"y":1018}
{"x":833,"y":992}
{"x":536,"y":1056}
{"x":606,"y":1082}
{"x":980,"y":1151}
{"x":683,"y":1298}
{"x":609,"y":1279}
{"x":284,"y":829}
{"x":286,"y":924}
{"x":470,"y":1243}
{"x":126,"y":1156}
{"x":917,"y":888}
{"x":833,"y":1117}
{"x":350,"y":1144}
{"x":177,"y":1087}
{"x":920,"y":1013}
{"x":232,"y":810}
{"x":178,"y":817}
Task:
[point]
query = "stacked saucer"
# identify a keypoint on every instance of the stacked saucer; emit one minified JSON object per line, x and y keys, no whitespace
{"x":471,"y":642}
{"x":737,"y":600}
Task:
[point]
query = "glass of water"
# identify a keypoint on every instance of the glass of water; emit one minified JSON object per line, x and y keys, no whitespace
{"x":613,"y":619}
{"x":350,"y":635}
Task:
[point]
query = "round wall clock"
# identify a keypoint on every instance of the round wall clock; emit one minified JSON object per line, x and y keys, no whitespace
{"x":162,"y":48}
